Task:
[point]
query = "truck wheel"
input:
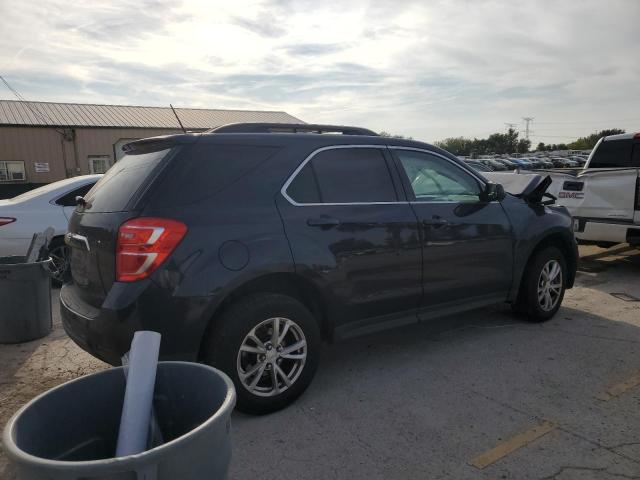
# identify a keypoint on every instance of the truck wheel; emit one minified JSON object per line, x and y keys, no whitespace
{"x":269,"y":346}
{"x":543,"y":285}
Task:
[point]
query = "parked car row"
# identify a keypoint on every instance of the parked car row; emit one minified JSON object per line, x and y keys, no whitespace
{"x":533,"y":162}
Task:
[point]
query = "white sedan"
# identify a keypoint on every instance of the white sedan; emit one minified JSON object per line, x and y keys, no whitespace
{"x":32,"y":212}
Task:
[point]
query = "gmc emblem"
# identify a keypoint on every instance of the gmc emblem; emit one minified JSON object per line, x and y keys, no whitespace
{"x":576,"y":195}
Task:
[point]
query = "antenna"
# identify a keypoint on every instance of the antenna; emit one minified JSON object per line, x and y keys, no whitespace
{"x":178,"y":118}
{"x":511,"y":125}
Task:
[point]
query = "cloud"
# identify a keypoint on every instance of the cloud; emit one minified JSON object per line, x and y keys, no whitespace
{"x":265,"y":25}
{"x":425,"y":69}
{"x":312,"y":49}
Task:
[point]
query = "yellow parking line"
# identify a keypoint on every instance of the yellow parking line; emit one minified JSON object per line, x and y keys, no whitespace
{"x":514,"y":443}
{"x":620,"y":388}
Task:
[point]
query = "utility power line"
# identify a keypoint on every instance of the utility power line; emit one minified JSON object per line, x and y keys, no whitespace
{"x":43,"y":117}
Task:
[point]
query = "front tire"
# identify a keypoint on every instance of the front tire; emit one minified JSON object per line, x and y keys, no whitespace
{"x":543,"y":285}
{"x":269,"y":346}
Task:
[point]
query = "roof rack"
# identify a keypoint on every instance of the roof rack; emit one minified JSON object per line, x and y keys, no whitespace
{"x":290,"y":128}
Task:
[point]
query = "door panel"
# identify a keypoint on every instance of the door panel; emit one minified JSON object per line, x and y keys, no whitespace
{"x":467,"y":256}
{"x":370,"y":263}
{"x":467,"y":242}
{"x":353,"y":235}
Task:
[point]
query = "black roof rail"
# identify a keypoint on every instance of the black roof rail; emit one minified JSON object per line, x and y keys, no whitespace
{"x":290,"y":128}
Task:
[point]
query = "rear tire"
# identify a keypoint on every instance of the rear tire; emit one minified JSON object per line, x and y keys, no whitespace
{"x":269,"y":371}
{"x":543,"y":285}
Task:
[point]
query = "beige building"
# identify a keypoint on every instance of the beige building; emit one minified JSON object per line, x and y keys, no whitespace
{"x":42,"y":142}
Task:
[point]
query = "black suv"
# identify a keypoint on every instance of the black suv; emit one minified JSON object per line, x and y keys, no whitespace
{"x":247,"y":246}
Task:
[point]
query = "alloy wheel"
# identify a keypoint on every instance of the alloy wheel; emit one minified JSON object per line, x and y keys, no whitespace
{"x":272,"y":357}
{"x":550,"y":285}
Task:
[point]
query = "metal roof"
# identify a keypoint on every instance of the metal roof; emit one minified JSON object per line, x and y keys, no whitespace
{"x":41,"y":114}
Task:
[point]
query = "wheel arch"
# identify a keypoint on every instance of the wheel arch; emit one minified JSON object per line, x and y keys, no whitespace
{"x":560,"y":241}
{"x":290,"y":284}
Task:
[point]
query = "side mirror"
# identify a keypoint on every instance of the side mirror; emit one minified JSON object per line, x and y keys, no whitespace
{"x":492,"y":192}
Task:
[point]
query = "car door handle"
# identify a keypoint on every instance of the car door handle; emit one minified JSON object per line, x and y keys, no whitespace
{"x":323,"y":221}
{"x":436,"y":222}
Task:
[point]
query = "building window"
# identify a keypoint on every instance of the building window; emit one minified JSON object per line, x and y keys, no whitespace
{"x":12,"y":171}
{"x":99,"y":163}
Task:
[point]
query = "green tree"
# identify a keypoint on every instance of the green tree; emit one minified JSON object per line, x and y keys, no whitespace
{"x":588,"y":142}
{"x":495,"y":143}
{"x":523,"y":145}
{"x":509,"y":143}
{"x":502,"y":142}
{"x":391,"y":135}
{"x":456,"y":145}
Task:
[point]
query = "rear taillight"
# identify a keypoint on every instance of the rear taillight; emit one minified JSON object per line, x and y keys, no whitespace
{"x":143,"y":244}
{"x":6,"y":220}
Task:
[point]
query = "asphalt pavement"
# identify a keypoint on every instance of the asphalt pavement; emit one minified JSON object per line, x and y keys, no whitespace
{"x":478,"y":395}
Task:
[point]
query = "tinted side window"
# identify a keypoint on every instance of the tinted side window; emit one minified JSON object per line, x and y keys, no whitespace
{"x":69,"y":199}
{"x":304,"y":188}
{"x":344,"y":175}
{"x":204,"y":170}
{"x":612,"y":154}
{"x":437,"y":180}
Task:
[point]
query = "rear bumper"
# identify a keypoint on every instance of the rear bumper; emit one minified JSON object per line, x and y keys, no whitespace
{"x":100,"y":334}
{"x":599,"y":231}
{"x":106,"y":333}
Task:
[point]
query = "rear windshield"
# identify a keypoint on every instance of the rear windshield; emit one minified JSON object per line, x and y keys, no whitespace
{"x":120,"y":184}
{"x":612,"y":154}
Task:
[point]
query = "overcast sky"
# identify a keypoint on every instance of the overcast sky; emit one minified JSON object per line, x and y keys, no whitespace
{"x":428,"y":69}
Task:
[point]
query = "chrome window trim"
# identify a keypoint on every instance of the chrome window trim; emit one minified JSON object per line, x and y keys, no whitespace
{"x":292,"y":177}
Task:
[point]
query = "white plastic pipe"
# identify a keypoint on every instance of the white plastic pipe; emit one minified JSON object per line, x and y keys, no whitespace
{"x":138,"y":395}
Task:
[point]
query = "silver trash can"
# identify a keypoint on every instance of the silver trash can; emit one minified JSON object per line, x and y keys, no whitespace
{"x":25,"y":299}
{"x":70,"y":432}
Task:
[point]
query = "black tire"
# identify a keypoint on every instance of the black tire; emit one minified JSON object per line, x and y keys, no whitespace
{"x":528,"y":302}
{"x":224,"y":339}
{"x":60,"y":270}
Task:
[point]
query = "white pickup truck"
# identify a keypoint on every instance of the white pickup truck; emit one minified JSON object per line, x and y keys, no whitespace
{"x":604,"y":196}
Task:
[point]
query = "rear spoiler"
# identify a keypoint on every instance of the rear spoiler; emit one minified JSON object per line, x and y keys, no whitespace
{"x":528,"y":186}
{"x":153,"y":144}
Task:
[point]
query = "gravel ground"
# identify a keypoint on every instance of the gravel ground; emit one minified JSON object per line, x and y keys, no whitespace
{"x":478,"y":395}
